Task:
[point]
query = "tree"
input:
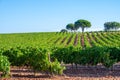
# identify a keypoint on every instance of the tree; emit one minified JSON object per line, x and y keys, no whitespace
{"x":116,"y":25}
{"x":111,"y":26}
{"x":70,"y":26}
{"x":63,"y":30}
{"x":83,"y":24}
{"x":107,"y":26}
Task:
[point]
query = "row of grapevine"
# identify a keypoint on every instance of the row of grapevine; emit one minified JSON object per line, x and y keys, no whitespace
{"x":89,"y":56}
{"x":86,"y":41}
{"x":110,"y":38}
{"x":93,"y":40}
{"x":60,"y":39}
{"x":34,"y":58}
{"x":70,"y":48}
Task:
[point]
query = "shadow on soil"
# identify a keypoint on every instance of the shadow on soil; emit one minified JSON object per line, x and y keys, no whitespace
{"x":81,"y":71}
{"x":96,"y":71}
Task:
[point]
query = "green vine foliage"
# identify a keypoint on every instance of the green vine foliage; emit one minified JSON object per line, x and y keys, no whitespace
{"x":4,"y":66}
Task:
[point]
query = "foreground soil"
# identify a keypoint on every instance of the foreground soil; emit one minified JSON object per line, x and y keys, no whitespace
{"x":81,"y":73}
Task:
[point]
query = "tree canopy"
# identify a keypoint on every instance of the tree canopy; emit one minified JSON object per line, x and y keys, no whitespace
{"x":111,"y":26}
{"x":70,"y":26}
{"x":63,"y":30}
{"x":83,"y":24}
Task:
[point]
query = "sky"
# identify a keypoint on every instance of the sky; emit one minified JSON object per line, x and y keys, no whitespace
{"x":18,"y":16}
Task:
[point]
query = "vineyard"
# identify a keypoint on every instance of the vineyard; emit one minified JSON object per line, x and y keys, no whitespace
{"x":55,"y":39}
{"x":48,"y":52}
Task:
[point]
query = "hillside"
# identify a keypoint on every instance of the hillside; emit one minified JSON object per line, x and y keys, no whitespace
{"x":50,"y":39}
{"x":58,"y":53}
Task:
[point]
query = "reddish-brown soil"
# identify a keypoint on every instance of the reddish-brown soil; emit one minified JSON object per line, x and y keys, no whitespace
{"x":81,"y":73}
{"x":63,"y":39}
{"x":57,"y":40}
{"x":76,"y":40}
{"x":82,"y":41}
{"x":89,"y":40}
{"x":69,"y":40}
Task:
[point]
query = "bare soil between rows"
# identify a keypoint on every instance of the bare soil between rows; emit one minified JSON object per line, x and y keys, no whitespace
{"x":81,"y":73}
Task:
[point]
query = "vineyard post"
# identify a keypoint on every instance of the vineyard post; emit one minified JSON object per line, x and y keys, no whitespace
{"x":50,"y":64}
{"x":49,"y":57}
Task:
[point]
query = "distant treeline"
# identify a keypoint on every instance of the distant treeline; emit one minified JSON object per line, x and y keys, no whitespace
{"x":81,"y":23}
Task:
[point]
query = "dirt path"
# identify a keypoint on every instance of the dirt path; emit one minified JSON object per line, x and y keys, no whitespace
{"x":76,"y":40}
{"x":82,"y":73}
{"x":82,"y":40}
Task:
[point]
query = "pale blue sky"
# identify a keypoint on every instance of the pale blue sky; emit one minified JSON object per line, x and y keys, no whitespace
{"x":54,"y":15}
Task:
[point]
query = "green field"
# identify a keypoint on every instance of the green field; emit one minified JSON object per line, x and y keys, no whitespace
{"x":52,"y":39}
{"x":45,"y":51}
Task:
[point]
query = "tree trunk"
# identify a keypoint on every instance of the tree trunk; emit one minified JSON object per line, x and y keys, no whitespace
{"x":82,"y":29}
